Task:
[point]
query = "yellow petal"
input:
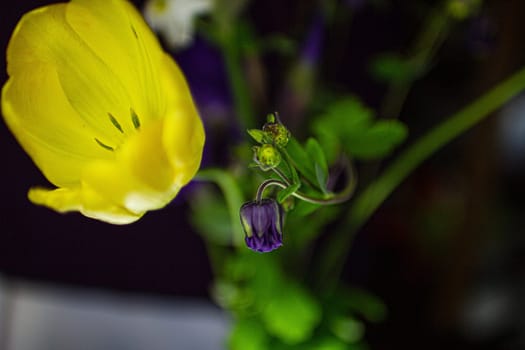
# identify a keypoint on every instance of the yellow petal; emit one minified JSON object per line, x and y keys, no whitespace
{"x":84,"y":200}
{"x":93,"y":90}
{"x":118,"y":35}
{"x":140,"y":178}
{"x":152,"y":165}
{"x":51,"y":132}
{"x":183,"y":133}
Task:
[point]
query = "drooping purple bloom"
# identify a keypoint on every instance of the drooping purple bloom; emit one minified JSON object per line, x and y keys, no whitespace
{"x":262,"y":222}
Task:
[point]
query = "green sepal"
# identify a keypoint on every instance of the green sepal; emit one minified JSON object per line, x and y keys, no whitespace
{"x":270,"y":118}
{"x":258,"y":135}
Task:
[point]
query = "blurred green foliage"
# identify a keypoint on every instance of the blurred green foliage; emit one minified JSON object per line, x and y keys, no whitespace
{"x":393,"y":68}
{"x":349,"y":126}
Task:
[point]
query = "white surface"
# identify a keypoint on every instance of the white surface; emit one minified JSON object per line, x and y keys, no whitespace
{"x":46,"y":318}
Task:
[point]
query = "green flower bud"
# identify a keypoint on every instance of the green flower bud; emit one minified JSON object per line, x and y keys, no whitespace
{"x":278,"y":133}
{"x":267,"y":156}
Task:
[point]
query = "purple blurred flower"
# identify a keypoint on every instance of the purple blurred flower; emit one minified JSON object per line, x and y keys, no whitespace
{"x":206,"y":75}
{"x":204,"y":70}
{"x":262,"y":222}
{"x":313,"y":44}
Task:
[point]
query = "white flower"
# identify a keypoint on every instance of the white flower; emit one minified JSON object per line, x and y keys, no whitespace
{"x":173,"y":19}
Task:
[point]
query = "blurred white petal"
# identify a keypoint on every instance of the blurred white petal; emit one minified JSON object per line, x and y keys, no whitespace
{"x":173,"y":19}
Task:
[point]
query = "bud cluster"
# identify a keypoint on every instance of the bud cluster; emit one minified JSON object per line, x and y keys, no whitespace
{"x":273,"y":137}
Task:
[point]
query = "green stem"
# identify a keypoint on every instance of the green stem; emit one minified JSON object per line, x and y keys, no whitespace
{"x":372,"y":197}
{"x":338,"y":198}
{"x":239,"y":88}
{"x":424,"y":49}
{"x":232,"y":194}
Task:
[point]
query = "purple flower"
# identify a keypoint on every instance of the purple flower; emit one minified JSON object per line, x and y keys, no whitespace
{"x":262,"y":222}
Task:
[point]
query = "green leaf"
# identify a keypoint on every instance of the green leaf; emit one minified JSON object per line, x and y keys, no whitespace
{"x":291,"y":314}
{"x":392,"y":68}
{"x":287,"y":192}
{"x":301,"y":160}
{"x":349,"y":126}
{"x":293,"y":172}
{"x":330,"y":143}
{"x":303,"y":208}
{"x":248,"y":334}
{"x":378,"y":140}
{"x":316,"y":153}
{"x":287,"y":170}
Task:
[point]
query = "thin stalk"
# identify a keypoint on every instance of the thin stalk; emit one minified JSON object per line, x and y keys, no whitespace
{"x":331,"y":198}
{"x":341,"y":197}
{"x":371,"y":198}
{"x":424,"y":49}
{"x":240,"y":92}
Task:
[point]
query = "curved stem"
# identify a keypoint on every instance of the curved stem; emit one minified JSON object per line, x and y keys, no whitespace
{"x":337,"y":198}
{"x":268,"y":183}
{"x":282,"y":176}
{"x":369,"y":200}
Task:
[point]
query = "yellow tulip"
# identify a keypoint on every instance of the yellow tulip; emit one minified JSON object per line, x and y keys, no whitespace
{"x":101,"y":109}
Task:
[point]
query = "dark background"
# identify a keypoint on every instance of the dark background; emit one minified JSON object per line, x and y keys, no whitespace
{"x":451,"y":234}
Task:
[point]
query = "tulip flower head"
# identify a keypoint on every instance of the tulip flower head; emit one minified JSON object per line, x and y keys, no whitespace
{"x":101,"y":109}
